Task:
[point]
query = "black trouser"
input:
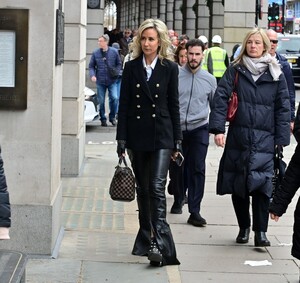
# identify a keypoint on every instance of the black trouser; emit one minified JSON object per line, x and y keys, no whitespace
{"x":150,"y":169}
{"x":285,"y":194}
{"x":194,"y":145}
{"x":260,"y":212}
{"x":176,"y":185}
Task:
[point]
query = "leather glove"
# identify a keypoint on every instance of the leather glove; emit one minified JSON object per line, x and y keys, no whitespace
{"x":121,"y":147}
{"x":178,"y":146}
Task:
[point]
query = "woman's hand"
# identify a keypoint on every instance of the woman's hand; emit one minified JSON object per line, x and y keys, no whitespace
{"x":121,"y":148}
{"x":94,"y":79}
{"x":274,"y":217}
{"x":177,"y":148}
{"x":174,"y":155}
{"x":220,"y":140}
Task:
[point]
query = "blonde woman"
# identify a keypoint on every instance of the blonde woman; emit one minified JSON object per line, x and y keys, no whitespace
{"x":149,"y":128}
{"x":262,"y":122}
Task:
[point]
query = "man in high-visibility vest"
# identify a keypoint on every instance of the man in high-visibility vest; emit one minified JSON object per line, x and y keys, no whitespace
{"x":216,"y":59}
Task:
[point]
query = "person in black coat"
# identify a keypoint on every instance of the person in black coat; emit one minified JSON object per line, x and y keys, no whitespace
{"x":262,"y":122}
{"x":149,"y":127}
{"x":5,"y":221}
{"x":286,"y":70}
{"x":287,"y":190}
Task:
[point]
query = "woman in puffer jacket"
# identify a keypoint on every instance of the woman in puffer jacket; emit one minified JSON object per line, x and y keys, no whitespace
{"x":286,"y":191}
{"x":5,"y":221}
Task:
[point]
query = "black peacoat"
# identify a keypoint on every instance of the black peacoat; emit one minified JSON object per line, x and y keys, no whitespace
{"x":262,"y":121}
{"x":148,"y":117}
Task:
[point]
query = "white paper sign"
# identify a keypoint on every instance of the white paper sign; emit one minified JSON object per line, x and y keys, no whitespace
{"x":7,"y":58}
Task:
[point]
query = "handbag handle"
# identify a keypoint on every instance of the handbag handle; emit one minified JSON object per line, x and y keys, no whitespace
{"x":122,"y":159}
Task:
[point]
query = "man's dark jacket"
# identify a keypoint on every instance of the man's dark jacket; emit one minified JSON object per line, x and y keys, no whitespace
{"x":289,"y":186}
{"x":4,"y":198}
{"x":286,"y":69}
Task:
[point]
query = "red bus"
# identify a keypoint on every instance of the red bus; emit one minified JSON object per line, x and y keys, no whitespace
{"x":277,"y":26}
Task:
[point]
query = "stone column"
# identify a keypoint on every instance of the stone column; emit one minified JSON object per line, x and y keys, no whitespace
{"x":31,"y":138}
{"x":73,"y":126}
{"x":95,"y":19}
{"x":170,"y":14}
{"x":178,"y":17}
{"x":148,"y":4}
{"x":142,"y":8}
{"x":239,"y":18}
{"x":163,"y":7}
{"x":203,"y":19}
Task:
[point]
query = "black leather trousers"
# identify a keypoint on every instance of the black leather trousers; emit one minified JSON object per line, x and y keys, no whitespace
{"x":151,"y":169}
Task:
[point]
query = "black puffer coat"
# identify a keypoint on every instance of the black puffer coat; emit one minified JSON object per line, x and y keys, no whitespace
{"x":262,"y":121}
{"x":4,"y":198}
{"x":289,"y":186}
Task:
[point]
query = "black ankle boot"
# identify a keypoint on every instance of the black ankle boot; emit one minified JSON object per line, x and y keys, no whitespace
{"x":154,"y":255}
{"x":243,"y":236}
{"x":261,"y":240}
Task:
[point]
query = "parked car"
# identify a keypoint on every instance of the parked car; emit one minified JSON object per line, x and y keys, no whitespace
{"x":289,"y":47}
{"x":91,"y":105}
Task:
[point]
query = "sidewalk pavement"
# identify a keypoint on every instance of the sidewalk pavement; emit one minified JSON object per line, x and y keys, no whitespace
{"x":99,"y":235}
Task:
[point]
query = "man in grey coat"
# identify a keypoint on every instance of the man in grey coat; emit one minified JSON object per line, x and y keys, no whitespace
{"x":196,"y":90}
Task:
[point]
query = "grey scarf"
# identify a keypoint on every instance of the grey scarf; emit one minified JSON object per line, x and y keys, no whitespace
{"x":257,"y":66}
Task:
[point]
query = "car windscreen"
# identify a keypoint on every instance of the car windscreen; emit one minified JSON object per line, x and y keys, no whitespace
{"x":288,"y":45}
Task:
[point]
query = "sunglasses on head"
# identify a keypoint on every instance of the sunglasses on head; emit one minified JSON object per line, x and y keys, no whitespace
{"x":275,"y":41}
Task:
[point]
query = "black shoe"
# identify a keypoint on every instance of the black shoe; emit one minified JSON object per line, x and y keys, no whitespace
{"x":155,"y":263}
{"x":154,"y":255}
{"x":260,"y":239}
{"x":243,"y":236}
{"x":197,"y":220}
{"x":103,"y":124}
{"x":113,"y":122}
{"x":176,"y":209}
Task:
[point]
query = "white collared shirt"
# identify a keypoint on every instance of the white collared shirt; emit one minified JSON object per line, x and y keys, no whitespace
{"x":149,"y":68}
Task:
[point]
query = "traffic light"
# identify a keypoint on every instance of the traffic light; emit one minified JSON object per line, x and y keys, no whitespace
{"x":273,"y":12}
{"x":276,"y":11}
{"x":270,"y":12}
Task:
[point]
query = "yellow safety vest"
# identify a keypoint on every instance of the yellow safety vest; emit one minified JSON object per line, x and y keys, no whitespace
{"x":218,"y":56}
{"x":203,"y":64}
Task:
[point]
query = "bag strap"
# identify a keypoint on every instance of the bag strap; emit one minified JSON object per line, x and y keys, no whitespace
{"x":236,"y":80}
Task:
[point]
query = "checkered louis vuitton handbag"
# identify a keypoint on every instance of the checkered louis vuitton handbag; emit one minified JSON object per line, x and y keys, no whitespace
{"x":122,"y":186}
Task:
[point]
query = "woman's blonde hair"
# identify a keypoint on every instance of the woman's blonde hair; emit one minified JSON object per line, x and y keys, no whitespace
{"x":266,"y":42}
{"x":164,"y":50}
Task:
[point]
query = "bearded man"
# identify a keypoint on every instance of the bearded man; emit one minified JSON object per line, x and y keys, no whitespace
{"x":196,"y":90}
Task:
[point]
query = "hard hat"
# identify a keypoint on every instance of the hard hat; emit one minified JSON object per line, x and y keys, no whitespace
{"x":216,"y":39}
{"x":203,"y":38}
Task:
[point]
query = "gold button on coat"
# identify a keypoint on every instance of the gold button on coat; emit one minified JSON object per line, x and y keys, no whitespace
{"x":138,"y":85}
{"x":153,"y":115}
{"x":138,"y":117}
